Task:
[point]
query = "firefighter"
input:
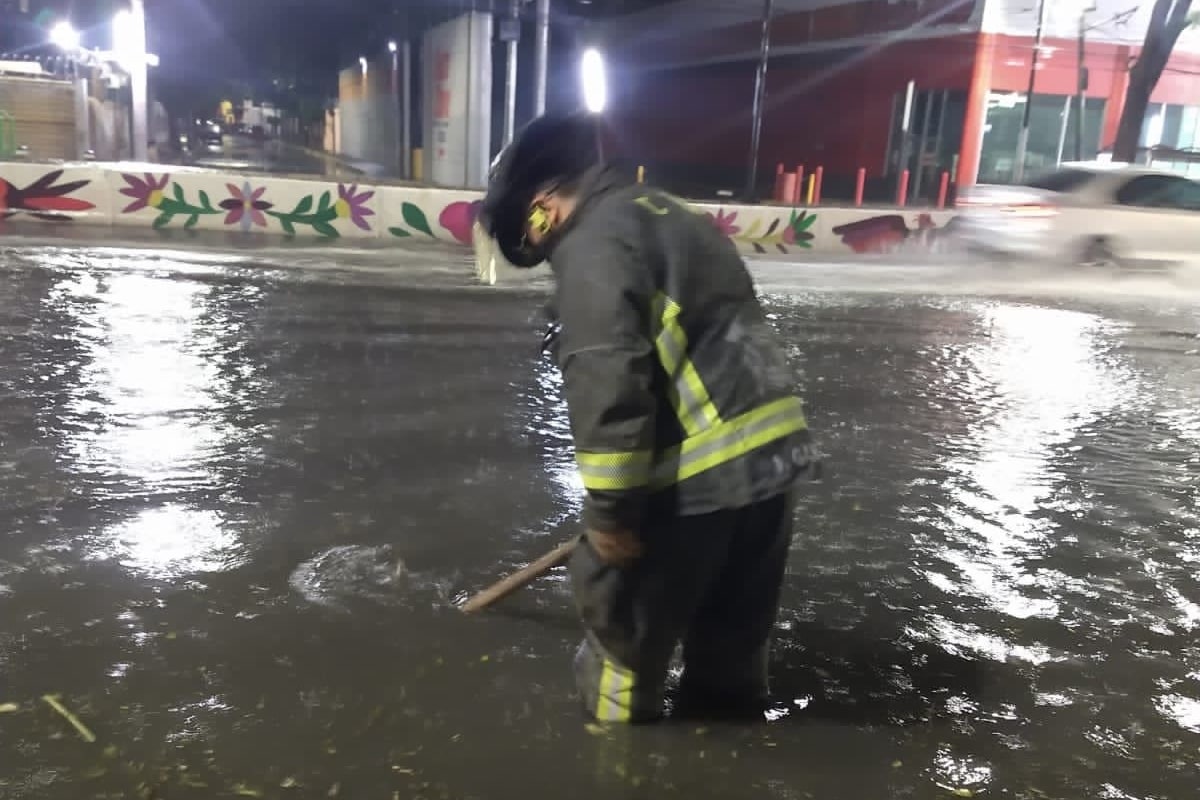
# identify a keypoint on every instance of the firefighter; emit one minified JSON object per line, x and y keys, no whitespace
{"x":687,"y":435}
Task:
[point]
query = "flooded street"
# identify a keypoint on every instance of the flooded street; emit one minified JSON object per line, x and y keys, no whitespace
{"x":241,"y":492}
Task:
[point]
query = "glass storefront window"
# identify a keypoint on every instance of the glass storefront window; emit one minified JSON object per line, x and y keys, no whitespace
{"x":1046,"y":133}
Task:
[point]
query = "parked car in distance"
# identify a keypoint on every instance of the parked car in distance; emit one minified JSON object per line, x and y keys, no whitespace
{"x":1090,"y":214}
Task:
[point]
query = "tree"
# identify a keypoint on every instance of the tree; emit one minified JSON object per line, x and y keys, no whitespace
{"x":1167,"y":22}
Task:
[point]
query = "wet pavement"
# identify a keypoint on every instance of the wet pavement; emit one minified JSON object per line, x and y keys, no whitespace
{"x":269,"y":156}
{"x":241,"y":491}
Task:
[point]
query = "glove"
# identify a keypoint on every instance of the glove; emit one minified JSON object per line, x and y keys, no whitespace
{"x":616,"y":548}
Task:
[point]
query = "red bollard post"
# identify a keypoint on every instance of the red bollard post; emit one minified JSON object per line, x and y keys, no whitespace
{"x":787,"y":186}
{"x":778,"y":194}
{"x":902,"y":190}
{"x":859,"y":185}
{"x":796,"y":199}
{"x":820,"y":179}
{"x":943,"y":189}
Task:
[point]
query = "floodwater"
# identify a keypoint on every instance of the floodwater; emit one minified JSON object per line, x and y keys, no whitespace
{"x":241,"y":492}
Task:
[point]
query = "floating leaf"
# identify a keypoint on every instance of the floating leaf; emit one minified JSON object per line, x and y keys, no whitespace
{"x":399,"y":232}
{"x":774,"y":225}
{"x":594,"y":729}
{"x":84,"y":732}
{"x":963,"y":791}
{"x":304,"y":206}
{"x":164,"y":219}
{"x":897,"y":764}
{"x":242,"y":790}
{"x":9,"y":708}
{"x":415,"y":218}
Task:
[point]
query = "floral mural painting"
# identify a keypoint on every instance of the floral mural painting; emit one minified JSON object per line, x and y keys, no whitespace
{"x":319,"y":214}
{"x":889,"y":232}
{"x":414,"y":218}
{"x":458,"y":218}
{"x":44,"y":199}
{"x":151,"y":192}
{"x":247,"y":207}
{"x":794,"y":233}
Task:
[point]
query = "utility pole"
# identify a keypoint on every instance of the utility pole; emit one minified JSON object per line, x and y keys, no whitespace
{"x":511,"y":35}
{"x":1081,"y":94}
{"x":1023,"y":138}
{"x":542,"y":51}
{"x":760,"y":90}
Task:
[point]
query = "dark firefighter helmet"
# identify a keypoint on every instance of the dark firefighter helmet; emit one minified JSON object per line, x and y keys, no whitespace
{"x":550,"y":150}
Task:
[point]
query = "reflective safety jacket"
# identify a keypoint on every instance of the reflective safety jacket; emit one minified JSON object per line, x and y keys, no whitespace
{"x":679,"y":394}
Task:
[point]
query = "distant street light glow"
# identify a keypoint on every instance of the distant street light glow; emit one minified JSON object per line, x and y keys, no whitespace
{"x":64,"y":36}
{"x":362,"y":61}
{"x":128,"y":46}
{"x":595,"y":83}
{"x":392,"y":47}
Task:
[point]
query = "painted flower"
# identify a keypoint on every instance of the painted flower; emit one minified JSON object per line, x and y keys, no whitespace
{"x":145,"y":193}
{"x":724,"y":222}
{"x":245,"y":205}
{"x":353,"y":206}
{"x":459,"y":217}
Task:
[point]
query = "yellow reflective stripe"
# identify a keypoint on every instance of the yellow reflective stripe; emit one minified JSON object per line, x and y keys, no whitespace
{"x":730,"y":440}
{"x":614,"y":699}
{"x":614,"y":471}
{"x":689,"y":395}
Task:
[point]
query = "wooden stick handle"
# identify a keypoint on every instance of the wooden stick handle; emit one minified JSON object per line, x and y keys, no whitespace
{"x":506,"y":586}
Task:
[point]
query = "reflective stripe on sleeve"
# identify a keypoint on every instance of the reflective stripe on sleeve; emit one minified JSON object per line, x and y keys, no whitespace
{"x":614,"y":471}
{"x":693,"y":405}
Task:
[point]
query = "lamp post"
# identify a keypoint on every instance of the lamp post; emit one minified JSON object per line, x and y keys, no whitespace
{"x":129,"y":44}
{"x":394,"y":49}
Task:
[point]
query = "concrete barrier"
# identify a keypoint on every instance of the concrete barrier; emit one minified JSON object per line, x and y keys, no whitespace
{"x":162,"y":197}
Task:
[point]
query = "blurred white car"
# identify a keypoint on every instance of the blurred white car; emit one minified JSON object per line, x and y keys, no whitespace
{"x":1092,"y":214}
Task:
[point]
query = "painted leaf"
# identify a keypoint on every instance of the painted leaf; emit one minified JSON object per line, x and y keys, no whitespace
{"x":752,"y":231}
{"x":304,"y":206}
{"x":758,"y":248}
{"x":178,"y":192}
{"x":204,"y":201}
{"x":806,"y":222}
{"x":399,"y":232}
{"x":415,"y":218}
{"x":774,"y":224}
{"x":781,"y":248}
{"x":325,"y":229}
{"x":163,"y":220}
{"x":287,"y":225}
{"x":323,"y":203}
{"x":191,"y":221}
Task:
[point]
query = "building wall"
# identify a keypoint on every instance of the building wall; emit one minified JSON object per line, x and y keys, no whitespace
{"x":832,"y":108}
{"x":368,"y":112}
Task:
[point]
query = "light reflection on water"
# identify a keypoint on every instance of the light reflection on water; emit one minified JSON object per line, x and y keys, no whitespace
{"x":149,"y":402}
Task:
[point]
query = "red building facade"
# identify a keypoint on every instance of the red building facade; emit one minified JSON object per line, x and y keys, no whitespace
{"x":838,"y":84}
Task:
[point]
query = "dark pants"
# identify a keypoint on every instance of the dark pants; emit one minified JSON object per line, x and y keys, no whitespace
{"x":711,"y":581}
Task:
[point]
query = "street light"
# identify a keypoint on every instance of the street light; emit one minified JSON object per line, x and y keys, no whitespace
{"x":393,"y":47}
{"x":362,"y":62}
{"x":595,"y":84}
{"x":64,"y":36}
